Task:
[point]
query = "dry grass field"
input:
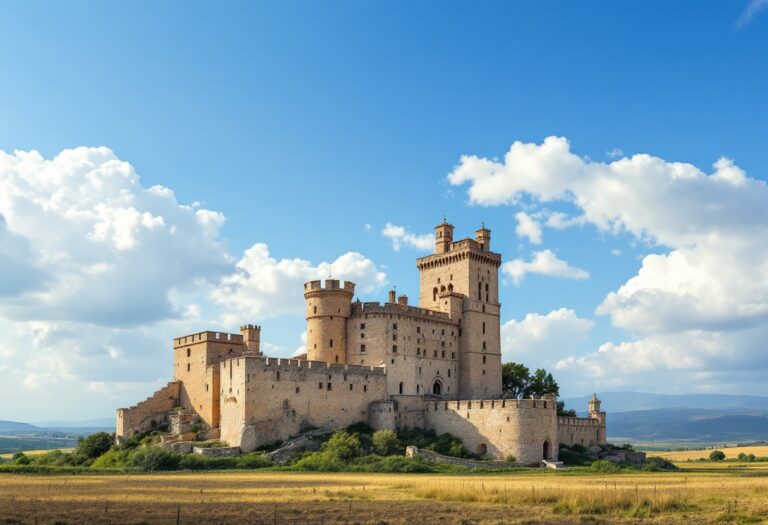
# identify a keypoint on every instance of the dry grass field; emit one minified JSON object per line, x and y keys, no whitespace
{"x":714,"y":495}
{"x":9,"y":455}
{"x":730,"y":453}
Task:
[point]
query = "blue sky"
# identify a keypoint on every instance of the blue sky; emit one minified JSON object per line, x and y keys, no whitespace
{"x":306,"y":127}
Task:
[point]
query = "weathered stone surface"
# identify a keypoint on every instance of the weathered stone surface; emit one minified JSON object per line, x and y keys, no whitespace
{"x":435,"y":366}
{"x":412,"y":452}
{"x":218,"y":452}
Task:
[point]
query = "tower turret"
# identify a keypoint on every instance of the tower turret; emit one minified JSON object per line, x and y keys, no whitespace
{"x":328,"y":308}
{"x":596,"y":413}
{"x":483,"y":236}
{"x":443,"y":236}
{"x":251,"y":338}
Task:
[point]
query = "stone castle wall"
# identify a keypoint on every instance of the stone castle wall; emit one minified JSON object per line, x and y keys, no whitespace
{"x":417,"y":348}
{"x":524,"y":428}
{"x":267,"y":399}
{"x":149,"y":413}
{"x":581,"y":430}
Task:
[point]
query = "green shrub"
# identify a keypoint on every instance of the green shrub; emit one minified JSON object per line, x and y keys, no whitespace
{"x":154,"y":458}
{"x":657,"y":464}
{"x":252,"y":461}
{"x":318,"y":461}
{"x":342,"y":446}
{"x":385,"y":442}
{"x":604,"y":466}
{"x":573,"y":457}
{"x":511,"y":459}
{"x":717,"y":455}
{"x":21,"y":459}
{"x":94,"y":445}
{"x":114,"y":458}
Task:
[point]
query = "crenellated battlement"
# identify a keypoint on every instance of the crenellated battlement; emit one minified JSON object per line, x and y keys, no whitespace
{"x":329,"y":285}
{"x":250,"y":327}
{"x":360,"y":308}
{"x":544,"y":404}
{"x":284,"y":364}
{"x":579,"y":421}
{"x":218,"y":337}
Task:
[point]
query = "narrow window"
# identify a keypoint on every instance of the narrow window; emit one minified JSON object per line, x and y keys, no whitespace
{"x":362,"y":335}
{"x":484,"y":345}
{"x":394,"y":337}
{"x":329,"y":385}
{"x":434,"y":294}
{"x":331,"y":344}
{"x":297,"y":390}
{"x":394,"y":349}
{"x":401,"y":388}
{"x":320,"y":385}
{"x":206,"y":387}
{"x":483,"y":326}
{"x":350,"y":387}
{"x":365,"y":388}
{"x":449,"y":372}
{"x":417,"y":389}
{"x":189,"y":352}
{"x":442,"y":354}
{"x":394,"y":326}
{"x":362,"y":326}
{"x":479,"y":291}
{"x":189,"y":367}
{"x":362,"y":349}
{"x":278,"y":376}
{"x":315,"y":309}
{"x":337,"y":359}
{"x":418,"y":329}
{"x":483,"y":359}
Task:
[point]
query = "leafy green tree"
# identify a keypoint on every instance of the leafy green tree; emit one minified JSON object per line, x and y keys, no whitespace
{"x":561,"y":411}
{"x":717,"y":455}
{"x":94,"y":445}
{"x":515,"y":379}
{"x":542,"y":383}
{"x":385,"y":442}
{"x":342,"y":446}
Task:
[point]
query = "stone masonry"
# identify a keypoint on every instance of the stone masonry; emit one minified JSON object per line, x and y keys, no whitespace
{"x":393,"y":365}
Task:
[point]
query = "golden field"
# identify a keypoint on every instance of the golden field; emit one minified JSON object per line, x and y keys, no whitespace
{"x":730,"y":453}
{"x":9,"y":455}
{"x":737,"y":494}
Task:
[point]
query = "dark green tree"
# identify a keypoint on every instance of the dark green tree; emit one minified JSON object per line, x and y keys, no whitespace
{"x":94,"y":445}
{"x":515,"y":379}
{"x":717,"y":455}
{"x":561,"y":411}
{"x":541,"y":383}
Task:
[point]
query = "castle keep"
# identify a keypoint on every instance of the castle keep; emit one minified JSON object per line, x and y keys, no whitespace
{"x":393,"y":365}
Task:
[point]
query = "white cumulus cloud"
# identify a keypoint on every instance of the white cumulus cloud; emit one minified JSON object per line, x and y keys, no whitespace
{"x":540,"y":340}
{"x":528,"y":227}
{"x":687,"y":306}
{"x":402,"y":237}
{"x":544,"y":262}
{"x":262,"y":286}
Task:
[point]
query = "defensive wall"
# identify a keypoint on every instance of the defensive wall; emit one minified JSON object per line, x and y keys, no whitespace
{"x":149,"y":413}
{"x":269,"y":399}
{"x":585,"y":431}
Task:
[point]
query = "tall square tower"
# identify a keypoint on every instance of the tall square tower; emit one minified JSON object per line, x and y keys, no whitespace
{"x":469,"y":268}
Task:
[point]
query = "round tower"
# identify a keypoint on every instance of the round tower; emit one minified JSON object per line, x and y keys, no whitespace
{"x":328,"y":308}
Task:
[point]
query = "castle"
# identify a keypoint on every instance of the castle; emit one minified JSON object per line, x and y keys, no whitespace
{"x":434,"y":366}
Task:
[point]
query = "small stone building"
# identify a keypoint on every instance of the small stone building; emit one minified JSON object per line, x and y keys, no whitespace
{"x":393,"y":365}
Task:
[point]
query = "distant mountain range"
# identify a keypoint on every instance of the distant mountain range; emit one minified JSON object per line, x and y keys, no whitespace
{"x":688,"y":417}
{"x":69,"y":428}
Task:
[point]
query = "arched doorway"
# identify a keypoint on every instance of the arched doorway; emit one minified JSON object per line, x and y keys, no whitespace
{"x":545,"y":450}
{"x":481,"y":449}
{"x":437,"y":388}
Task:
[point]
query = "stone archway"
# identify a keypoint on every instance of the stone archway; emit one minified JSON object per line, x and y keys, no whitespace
{"x":437,"y":388}
{"x":481,"y":449}
{"x":546,"y":450}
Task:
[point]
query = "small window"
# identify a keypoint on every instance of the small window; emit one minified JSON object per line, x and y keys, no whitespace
{"x":483,"y":359}
{"x":483,"y":326}
{"x":206,"y":387}
{"x":362,"y":349}
{"x":434,"y":353}
{"x":189,"y":367}
{"x":331,"y":343}
{"x":394,"y":349}
{"x":350,"y":387}
{"x":393,"y":361}
{"x":453,"y":355}
{"x":337,"y":359}
{"x":297,"y":390}
{"x":418,"y":329}
{"x":362,"y":326}
{"x":189,"y":352}
{"x":401,"y":387}
{"x":442,"y":343}
{"x":419,"y":370}
{"x":394,"y":337}
{"x":362,"y":335}
{"x":277,"y":376}
{"x":442,"y":354}
{"x":329,"y":384}
{"x":394,"y":326}
{"x":320,"y":385}
{"x":443,"y":331}
{"x":449,"y":372}
{"x":484,"y":347}
{"x":315,"y":309}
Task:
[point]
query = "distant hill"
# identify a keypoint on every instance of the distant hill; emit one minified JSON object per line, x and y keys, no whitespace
{"x":689,"y":424}
{"x":90,"y":423}
{"x":631,"y":401}
{"x":11,"y":426}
